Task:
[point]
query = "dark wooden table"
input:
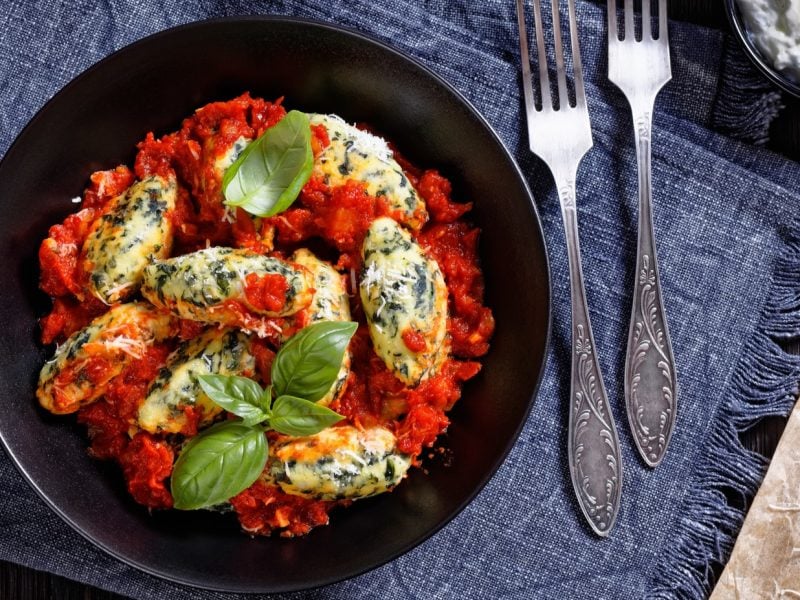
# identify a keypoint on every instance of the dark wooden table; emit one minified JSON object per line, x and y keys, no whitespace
{"x":20,"y":583}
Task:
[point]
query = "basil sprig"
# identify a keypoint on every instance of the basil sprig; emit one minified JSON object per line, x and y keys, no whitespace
{"x":268,"y":175}
{"x":228,"y":457}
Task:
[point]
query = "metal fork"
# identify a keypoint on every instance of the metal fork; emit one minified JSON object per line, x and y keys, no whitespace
{"x":560,"y":137}
{"x":640,"y":69}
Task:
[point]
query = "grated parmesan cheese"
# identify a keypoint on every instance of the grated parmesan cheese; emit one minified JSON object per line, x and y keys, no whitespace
{"x":131,"y":347}
{"x":365,"y":142}
{"x":393,"y":283}
{"x":229,"y":214}
{"x":372,"y":276}
{"x":113,"y":293}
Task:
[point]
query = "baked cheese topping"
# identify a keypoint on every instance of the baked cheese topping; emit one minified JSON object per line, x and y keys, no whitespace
{"x":337,"y":463}
{"x":217,"y":351}
{"x":201,"y":285}
{"x":67,"y":381}
{"x":403,"y":294}
{"x":131,"y":233}
{"x":360,"y":156}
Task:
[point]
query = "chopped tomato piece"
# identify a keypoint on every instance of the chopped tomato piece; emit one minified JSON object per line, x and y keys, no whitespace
{"x":266,"y":292}
{"x":414,"y":340}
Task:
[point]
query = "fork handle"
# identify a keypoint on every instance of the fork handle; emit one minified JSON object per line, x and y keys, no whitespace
{"x":594,"y":453}
{"x":650,"y":380}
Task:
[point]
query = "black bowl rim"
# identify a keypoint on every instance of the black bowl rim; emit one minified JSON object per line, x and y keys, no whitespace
{"x":754,"y":54}
{"x":360,"y":37}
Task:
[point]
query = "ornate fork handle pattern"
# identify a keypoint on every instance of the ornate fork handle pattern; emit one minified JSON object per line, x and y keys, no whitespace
{"x":593,"y":447}
{"x":650,"y":379}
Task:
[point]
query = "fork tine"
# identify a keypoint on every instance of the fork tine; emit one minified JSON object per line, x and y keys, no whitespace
{"x":561,"y":71}
{"x":612,"y":21}
{"x":544,"y":78}
{"x":629,"y":21}
{"x":577,"y":65}
{"x":527,"y":86}
{"x":662,"y":21}
{"x":647,"y":27}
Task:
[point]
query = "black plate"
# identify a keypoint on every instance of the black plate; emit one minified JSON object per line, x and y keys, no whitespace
{"x":95,"y":122}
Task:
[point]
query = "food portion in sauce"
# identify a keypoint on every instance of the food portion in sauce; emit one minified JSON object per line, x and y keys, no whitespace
{"x":90,"y":358}
{"x":132,"y":231}
{"x":227,"y":286}
{"x":323,"y":338}
{"x":356,"y":155}
{"x":175,"y":403}
{"x":405,"y":302}
{"x":330,"y":303}
{"x":337,"y":463}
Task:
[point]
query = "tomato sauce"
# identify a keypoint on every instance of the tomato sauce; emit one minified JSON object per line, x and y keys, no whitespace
{"x":338,"y":217}
{"x":266,"y":292}
{"x":110,"y":419}
{"x":263,"y":509}
{"x":146,"y":464}
{"x":67,"y":316}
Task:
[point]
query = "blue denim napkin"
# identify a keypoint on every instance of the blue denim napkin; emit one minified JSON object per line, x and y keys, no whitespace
{"x":728,"y":225}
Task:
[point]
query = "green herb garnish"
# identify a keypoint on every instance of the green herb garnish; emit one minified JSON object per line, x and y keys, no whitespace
{"x":228,"y":457}
{"x":218,"y":464}
{"x":268,"y":175}
{"x":308,"y":365}
{"x":295,"y":416}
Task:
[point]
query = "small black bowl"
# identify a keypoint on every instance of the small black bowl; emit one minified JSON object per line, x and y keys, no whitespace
{"x":95,"y":122}
{"x":754,"y":54}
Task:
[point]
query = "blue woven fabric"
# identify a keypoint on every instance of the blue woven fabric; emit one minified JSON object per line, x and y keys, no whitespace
{"x":728,"y":225}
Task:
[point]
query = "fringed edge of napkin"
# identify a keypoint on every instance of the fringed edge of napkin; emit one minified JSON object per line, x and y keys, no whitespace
{"x":765,"y":382}
{"x":746,"y":103}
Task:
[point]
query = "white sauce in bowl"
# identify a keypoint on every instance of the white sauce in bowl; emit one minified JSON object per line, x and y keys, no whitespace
{"x":775,"y":28}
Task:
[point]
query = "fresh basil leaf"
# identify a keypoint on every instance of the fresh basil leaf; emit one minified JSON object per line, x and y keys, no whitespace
{"x":255,"y":419}
{"x":268,"y":175}
{"x":308,"y":364}
{"x":264,"y":404}
{"x":295,"y":416}
{"x":265,"y":401}
{"x":217,"y":464}
{"x":238,"y":395}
